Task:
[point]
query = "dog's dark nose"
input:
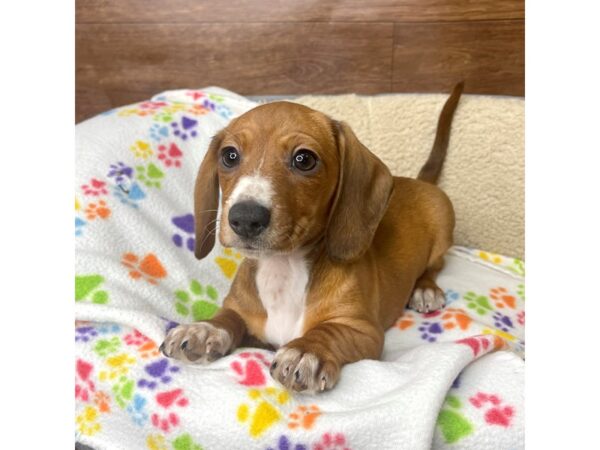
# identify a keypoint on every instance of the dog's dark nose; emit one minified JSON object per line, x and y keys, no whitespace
{"x":249,"y":219}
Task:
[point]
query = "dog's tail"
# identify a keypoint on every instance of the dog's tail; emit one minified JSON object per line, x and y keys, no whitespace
{"x":430,"y":172}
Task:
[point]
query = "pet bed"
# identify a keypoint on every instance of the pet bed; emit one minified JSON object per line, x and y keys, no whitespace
{"x":448,"y":379}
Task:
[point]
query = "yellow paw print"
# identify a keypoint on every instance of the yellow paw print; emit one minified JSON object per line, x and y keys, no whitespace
{"x":264,"y":412}
{"x":141,"y":149}
{"x":229,"y":262}
{"x":509,"y":337}
{"x":77,"y":204}
{"x":491,"y":257}
{"x":156,"y":442}
{"x":87,"y":423}
{"x":118,"y":366}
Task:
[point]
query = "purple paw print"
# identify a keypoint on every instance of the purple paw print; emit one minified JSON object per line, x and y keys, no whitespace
{"x":186,"y":224}
{"x":502,"y":322}
{"x":84,"y":334}
{"x":120,"y":172}
{"x":160,"y":371}
{"x":429,"y":330}
{"x":185,"y":128}
{"x":170,"y":325}
{"x":284,"y":444}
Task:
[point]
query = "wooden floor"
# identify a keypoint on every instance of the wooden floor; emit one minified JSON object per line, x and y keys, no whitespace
{"x":128,"y":50}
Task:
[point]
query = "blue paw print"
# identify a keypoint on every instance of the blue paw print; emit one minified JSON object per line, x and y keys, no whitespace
{"x":185,"y":224}
{"x":160,"y":371}
{"x":185,"y":128}
{"x":129,"y":195}
{"x":107,"y":328}
{"x":159,"y":132}
{"x":430,"y":330}
{"x":169,"y":324}
{"x":84,"y":334}
{"x":285,"y":444}
{"x":121,"y":172}
{"x":451,"y":296}
{"x":79,"y":224}
{"x":502,"y":322}
{"x":136,"y":410}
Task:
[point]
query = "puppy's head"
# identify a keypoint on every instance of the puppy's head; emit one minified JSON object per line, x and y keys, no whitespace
{"x":289,"y":177}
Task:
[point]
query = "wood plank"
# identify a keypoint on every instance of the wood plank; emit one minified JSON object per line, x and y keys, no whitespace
{"x":157,"y":11}
{"x":116,"y":63}
{"x":490,"y":56}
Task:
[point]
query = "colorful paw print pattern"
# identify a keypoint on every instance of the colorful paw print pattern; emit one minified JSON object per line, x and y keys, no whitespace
{"x":198,"y":302}
{"x":185,"y":128}
{"x":158,"y":373}
{"x":228,"y":262}
{"x":184,"y":236}
{"x":170,"y":402}
{"x":453,"y":425}
{"x":148,"y":268}
{"x":495,"y":412}
{"x":263,"y":409}
{"x":88,"y":288}
{"x":304,"y":417}
{"x":250,"y":369}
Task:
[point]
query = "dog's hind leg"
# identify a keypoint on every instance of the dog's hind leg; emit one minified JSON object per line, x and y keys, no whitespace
{"x":427,"y":295}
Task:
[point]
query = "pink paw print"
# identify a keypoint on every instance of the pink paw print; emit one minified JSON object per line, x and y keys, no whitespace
{"x":250,"y":368}
{"x":95,"y":187}
{"x":84,"y":386}
{"x":171,"y":155}
{"x":521,"y":317}
{"x":496,"y":414}
{"x":135,"y":338}
{"x":331,"y":441}
{"x":167,"y":420}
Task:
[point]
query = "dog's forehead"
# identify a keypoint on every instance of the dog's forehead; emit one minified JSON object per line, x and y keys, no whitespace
{"x":272,"y":121}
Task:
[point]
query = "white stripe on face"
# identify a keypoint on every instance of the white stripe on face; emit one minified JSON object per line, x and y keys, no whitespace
{"x":254,"y":188}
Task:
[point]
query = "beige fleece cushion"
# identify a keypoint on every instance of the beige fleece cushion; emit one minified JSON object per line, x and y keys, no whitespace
{"x":484,"y":170}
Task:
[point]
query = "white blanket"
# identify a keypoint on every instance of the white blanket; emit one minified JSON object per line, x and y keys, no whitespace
{"x":444,"y":380}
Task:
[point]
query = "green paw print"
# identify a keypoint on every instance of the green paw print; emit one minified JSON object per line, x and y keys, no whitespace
{"x":521,"y":291}
{"x":150,"y":175}
{"x":454,"y":426}
{"x":185,"y":442}
{"x":123,"y":391}
{"x":86,"y":288}
{"x":165,"y":117}
{"x":518,"y":267}
{"x":479,"y":303}
{"x":200,"y":301}
{"x":105,"y":347}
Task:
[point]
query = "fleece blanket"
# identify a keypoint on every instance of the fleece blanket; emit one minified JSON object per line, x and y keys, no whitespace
{"x":448,"y":379}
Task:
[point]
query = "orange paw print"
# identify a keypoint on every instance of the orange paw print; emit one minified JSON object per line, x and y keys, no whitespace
{"x":95,"y":210}
{"x":229,"y":262}
{"x":102,"y":401}
{"x":405,"y":321}
{"x":455,"y":318}
{"x":502,"y":298}
{"x":149,"y":267}
{"x":304,"y":417}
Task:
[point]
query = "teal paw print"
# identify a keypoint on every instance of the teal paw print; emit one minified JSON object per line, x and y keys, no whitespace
{"x":87,"y":289}
{"x":123,"y":391}
{"x":453,"y":425}
{"x":479,"y":303}
{"x":105,"y":347}
{"x":200,"y":302}
{"x":150,"y":175}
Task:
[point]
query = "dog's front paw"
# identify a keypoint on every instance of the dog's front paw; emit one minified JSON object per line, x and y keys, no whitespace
{"x":426,"y":300}
{"x":303,"y":371}
{"x":199,"y":342}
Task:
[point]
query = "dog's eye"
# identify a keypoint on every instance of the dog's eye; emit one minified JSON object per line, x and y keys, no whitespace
{"x":304,"y":160}
{"x":230,"y":157}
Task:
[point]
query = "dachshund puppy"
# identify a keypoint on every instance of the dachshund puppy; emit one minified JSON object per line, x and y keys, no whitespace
{"x":335,"y":246}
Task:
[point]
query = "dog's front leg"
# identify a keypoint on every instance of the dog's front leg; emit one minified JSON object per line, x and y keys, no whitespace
{"x":313,"y":362}
{"x":206,"y":341}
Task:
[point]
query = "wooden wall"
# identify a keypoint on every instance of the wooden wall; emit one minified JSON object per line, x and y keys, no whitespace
{"x":128,"y":50}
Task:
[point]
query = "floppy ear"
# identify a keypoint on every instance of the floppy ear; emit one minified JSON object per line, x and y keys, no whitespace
{"x":364,"y":188}
{"x":206,"y":199}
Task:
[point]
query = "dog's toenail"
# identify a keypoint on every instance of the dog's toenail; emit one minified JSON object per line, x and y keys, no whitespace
{"x":184,"y":345}
{"x":162,"y":349}
{"x":297,"y":375}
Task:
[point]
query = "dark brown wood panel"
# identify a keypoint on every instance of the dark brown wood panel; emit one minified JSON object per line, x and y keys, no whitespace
{"x":121,"y":63}
{"x":157,"y":11}
{"x":431,"y":57}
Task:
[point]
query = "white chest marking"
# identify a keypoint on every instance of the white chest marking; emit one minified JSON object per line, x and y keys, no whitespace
{"x":281,"y":282}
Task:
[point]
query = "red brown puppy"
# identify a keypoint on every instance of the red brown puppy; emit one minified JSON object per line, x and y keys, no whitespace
{"x":335,"y":246}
